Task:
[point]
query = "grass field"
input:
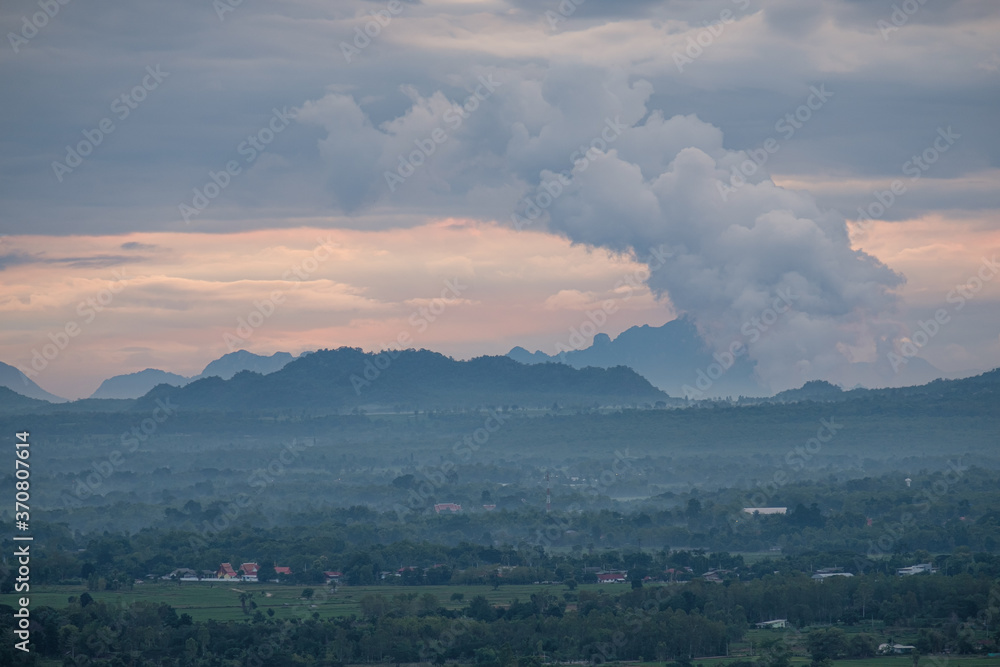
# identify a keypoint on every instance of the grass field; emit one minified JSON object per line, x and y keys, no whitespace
{"x":221,"y":601}
{"x":880,"y":661}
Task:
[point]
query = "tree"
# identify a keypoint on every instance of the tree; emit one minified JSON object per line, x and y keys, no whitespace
{"x":693,"y":508}
{"x":308,"y":593}
{"x":480,"y":609}
{"x":403,"y":481}
{"x":775,"y":653}
{"x":487,"y":657}
{"x":266,"y":573}
{"x":826,"y":645}
{"x":861,"y":646}
{"x":374,"y":606}
{"x":429,"y":603}
{"x":190,"y":650}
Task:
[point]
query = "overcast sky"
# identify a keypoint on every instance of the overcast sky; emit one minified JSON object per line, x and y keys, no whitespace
{"x":182,"y":163}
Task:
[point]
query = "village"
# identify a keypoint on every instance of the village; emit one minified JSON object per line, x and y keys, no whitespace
{"x":251,"y":573}
{"x":246,"y":572}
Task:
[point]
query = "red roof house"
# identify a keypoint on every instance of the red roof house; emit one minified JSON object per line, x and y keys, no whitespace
{"x":226,"y":571}
{"x":282,"y":570}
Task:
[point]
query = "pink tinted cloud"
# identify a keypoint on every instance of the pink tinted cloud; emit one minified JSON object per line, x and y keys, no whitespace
{"x":180,"y":294}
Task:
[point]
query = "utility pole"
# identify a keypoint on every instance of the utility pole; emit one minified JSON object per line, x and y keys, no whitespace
{"x":548,"y":494}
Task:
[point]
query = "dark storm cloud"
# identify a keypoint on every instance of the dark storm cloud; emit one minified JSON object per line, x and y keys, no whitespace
{"x":227,"y":74}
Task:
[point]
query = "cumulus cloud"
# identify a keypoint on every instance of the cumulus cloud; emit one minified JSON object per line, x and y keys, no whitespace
{"x":733,"y":255}
{"x":612,"y":173}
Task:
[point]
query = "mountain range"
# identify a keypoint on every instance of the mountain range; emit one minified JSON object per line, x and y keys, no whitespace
{"x":672,"y":357}
{"x":349,"y":378}
{"x":138,"y":384}
{"x":134,"y":385}
{"x":676,"y":359}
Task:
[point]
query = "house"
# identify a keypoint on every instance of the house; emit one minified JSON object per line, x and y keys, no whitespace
{"x":820,"y":576}
{"x":922,"y":568}
{"x":249,"y":571}
{"x":765,"y":510}
{"x":775,"y":624}
{"x":182,"y":573}
{"x":333,"y":576}
{"x":287,"y":571}
{"x":715,"y":576}
{"x":226,"y":571}
{"x":899,"y":649}
{"x":449,"y":507}
{"x":611,"y":577}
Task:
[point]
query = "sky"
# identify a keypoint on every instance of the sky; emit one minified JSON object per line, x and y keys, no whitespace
{"x":181,"y":179}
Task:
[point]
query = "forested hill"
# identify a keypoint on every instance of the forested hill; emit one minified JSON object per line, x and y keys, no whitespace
{"x":413,"y":379}
{"x":982,"y":390}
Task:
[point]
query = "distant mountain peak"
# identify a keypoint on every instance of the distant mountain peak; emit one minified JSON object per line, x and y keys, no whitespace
{"x":814,"y":390}
{"x":232,"y":363}
{"x":134,"y":385}
{"x":12,"y":378}
{"x":671,"y":356}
